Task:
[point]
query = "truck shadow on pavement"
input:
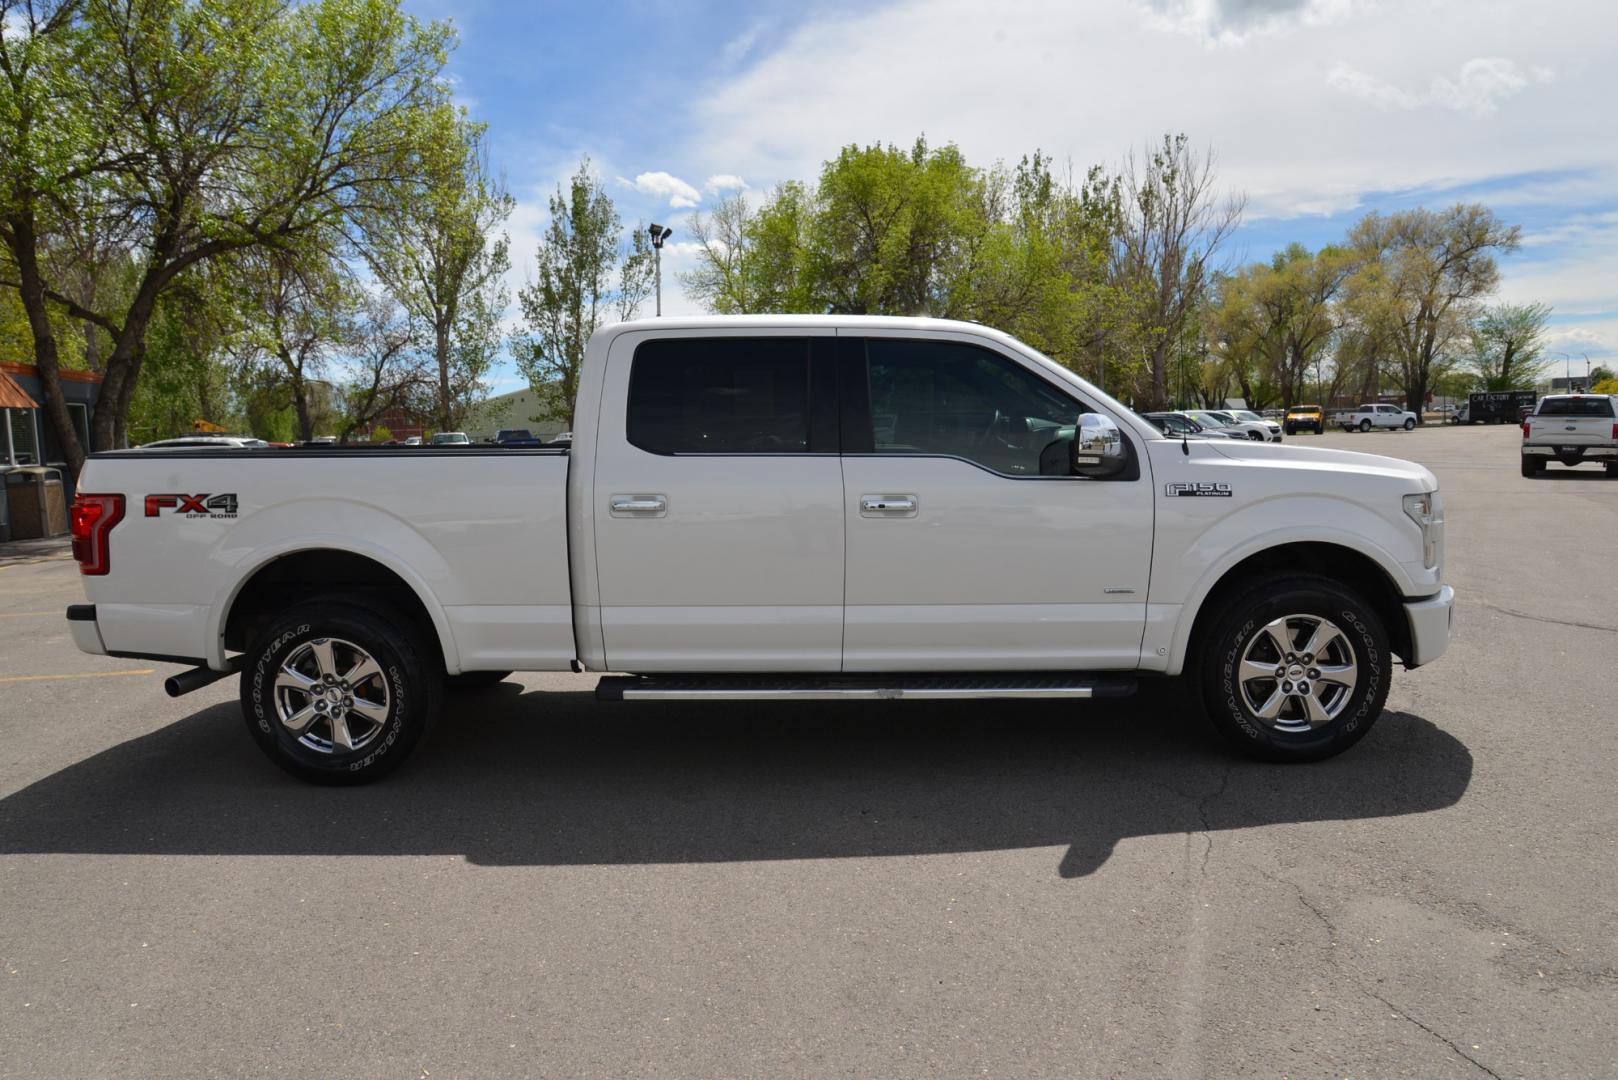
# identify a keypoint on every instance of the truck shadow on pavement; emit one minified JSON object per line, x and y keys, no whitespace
{"x":559,"y":779}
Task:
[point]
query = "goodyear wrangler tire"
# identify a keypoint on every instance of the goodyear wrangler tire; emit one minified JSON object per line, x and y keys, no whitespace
{"x":340,"y":690}
{"x":1295,"y":669}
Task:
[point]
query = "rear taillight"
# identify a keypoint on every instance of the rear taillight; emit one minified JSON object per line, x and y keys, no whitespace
{"x":1526,"y":423}
{"x":92,"y":519}
{"x":1615,"y":433}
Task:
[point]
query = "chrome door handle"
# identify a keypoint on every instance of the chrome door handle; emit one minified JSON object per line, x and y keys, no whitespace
{"x":887,"y":504}
{"x":638,"y":504}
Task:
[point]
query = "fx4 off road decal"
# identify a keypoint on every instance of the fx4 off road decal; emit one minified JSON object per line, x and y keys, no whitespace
{"x":1198,"y":489}
{"x":192,"y":506}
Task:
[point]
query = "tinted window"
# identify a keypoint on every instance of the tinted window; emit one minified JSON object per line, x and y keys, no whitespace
{"x":934,"y":397}
{"x":1588,"y":406}
{"x":720,"y":396}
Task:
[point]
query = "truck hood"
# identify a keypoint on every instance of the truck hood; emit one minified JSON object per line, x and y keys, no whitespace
{"x":1321,"y":459}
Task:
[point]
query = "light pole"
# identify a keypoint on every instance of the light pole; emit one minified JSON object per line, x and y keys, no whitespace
{"x":1586,"y":372}
{"x":659,"y":233}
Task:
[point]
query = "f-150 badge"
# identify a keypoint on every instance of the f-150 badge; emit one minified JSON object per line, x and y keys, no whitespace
{"x":1182,"y":488}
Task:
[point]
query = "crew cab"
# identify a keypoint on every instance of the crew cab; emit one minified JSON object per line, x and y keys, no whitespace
{"x":1367,"y":417}
{"x":1571,"y":429}
{"x":776,"y":508}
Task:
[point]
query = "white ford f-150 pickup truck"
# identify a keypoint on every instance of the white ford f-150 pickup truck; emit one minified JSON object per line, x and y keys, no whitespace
{"x":1571,"y":429}
{"x":1371,"y":416}
{"x":776,"y":507}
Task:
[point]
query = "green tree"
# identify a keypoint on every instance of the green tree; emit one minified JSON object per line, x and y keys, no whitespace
{"x":212,"y":126}
{"x":1508,"y":350}
{"x":1282,"y":316}
{"x":435,"y":245}
{"x":586,"y":275}
{"x":1423,"y":276}
{"x":300,"y":309}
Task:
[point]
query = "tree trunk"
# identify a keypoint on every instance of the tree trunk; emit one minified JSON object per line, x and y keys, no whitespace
{"x":300,"y":402}
{"x":441,"y":354}
{"x":46,"y":358}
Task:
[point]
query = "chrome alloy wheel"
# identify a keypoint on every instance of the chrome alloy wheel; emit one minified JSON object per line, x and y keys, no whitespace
{"x":1297,"y":673}
{"x":332,"y":695}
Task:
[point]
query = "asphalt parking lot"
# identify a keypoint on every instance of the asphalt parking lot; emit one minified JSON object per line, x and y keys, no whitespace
{"x":555,"y":887}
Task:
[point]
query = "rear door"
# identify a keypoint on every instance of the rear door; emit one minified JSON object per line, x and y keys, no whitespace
{"x":970,"y":547}
{"x":718,"y":503}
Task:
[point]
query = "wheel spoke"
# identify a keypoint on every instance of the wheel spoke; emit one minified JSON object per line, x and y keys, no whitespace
{"x":339,"y":730}
{"x":288,"y":679}
{"x":324,"y":660}
{"x":1253,"y":669}
{"x":1280,"y":636}
{"x":365,"y":669}
{"x":1272,"y":708}
{"x":1325,"y":633}
{"x":298,"y":722}
{"x":1315,"y":710}
{"x":1344,"y":675}
{"x":376,"y":714}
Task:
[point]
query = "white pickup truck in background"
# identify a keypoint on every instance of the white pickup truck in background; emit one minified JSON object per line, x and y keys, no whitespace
{"x":770,"y":508}
{"x":1571,"y":429}
{"x":1371,"y":416}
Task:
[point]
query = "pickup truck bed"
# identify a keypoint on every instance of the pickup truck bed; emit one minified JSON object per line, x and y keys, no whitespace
{"x":482,"y":530}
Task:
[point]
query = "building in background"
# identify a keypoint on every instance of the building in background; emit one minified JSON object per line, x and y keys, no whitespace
{"x":518,"y":409}
{"x":26,"y":438}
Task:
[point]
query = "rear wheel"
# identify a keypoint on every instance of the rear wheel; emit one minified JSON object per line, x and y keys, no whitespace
{"x":339,"y":691}
{"x":1534,"y":466}
{"x":1612,"y":470}
{"x":1295,"y":669}
{"x":1365,"y":425}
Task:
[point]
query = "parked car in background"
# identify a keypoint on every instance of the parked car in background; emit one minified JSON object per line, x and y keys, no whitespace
{"x":414,"y":440}
{"x":1301,"y":417}
{"x":205,"y":442}
{"x":451,"y":438}
{"x":516,"y":437}
{"x":1366,"y":417}
{"x":1571,"y":429}
{"x":1219,"y":420}
{"x":1272,"y":428}
{"x":1177,"y":425}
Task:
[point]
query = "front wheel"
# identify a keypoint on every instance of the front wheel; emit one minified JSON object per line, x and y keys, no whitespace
{"x":339,"y":691}
{"x":1295,"y":669}
{"x":1410,"y":425}
{"x":1288,"y":429}
{"x":1256,"y":436}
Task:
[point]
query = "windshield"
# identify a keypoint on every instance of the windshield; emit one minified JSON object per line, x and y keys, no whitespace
{"x":1212,"y":420}
{"x":1248,"y":415}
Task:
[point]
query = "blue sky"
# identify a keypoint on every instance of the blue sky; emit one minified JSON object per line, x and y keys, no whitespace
{"x":1318,"y":110}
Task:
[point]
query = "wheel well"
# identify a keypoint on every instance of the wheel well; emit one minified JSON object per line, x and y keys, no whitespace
{"x":1343,"y":565}
{"x":306,"y":575}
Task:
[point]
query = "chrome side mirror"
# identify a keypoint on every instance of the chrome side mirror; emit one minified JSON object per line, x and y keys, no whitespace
{"x":1098,"y":448}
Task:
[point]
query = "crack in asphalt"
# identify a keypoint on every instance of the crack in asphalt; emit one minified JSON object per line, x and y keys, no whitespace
{"x":1544,"y":618}
{"x":1398,"y":1010}
{"x":1202,"y":815}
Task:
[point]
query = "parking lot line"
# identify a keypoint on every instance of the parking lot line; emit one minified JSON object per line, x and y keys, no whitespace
{"x":25,"y":614}
{"x":76,"y":675}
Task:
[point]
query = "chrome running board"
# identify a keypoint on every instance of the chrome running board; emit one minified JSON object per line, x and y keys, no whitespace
{"x":996,"y":687}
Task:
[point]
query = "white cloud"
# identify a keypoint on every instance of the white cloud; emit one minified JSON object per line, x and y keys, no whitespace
{"x":1231,"y":22}
{"x":1483,"y":83}
{"x":665,"y":185}
{"x":724,"y":182}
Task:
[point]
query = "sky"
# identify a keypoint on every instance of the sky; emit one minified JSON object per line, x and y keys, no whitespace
{"x":1317,"y":111}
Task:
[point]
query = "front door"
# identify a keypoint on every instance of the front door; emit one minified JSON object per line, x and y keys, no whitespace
{"x":970,"y":547}
{"x":718,"y":504}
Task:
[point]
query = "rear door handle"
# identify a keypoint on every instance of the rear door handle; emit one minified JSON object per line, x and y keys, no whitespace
{"x":887,"y":504}
{"x":638,"y":504}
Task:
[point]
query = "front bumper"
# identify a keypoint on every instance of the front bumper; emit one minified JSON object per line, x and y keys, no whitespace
{"x":1432,"y":620}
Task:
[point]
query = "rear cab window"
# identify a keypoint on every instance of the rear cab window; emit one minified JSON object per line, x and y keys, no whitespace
{"x":1576,"y":406}
{"x":720,"y":396}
